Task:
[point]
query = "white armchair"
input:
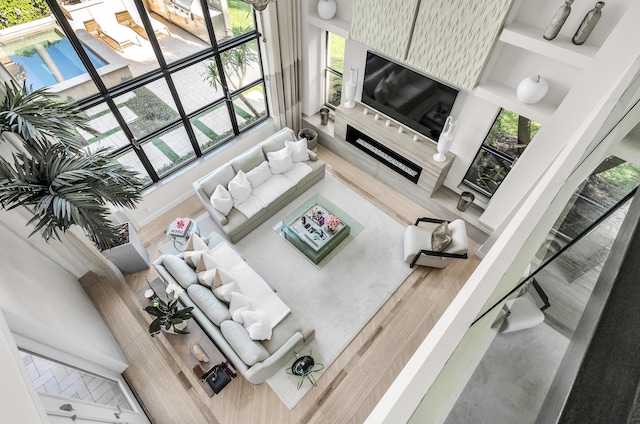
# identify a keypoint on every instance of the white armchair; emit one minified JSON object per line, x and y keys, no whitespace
{"x":417,"y":244}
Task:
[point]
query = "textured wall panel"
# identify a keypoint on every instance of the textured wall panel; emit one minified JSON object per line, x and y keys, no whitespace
{"x":452,"y":39}
{"x":383,"y":25}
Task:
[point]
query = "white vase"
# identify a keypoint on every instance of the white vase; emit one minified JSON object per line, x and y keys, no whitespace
{"x":181,"y":327}
{"x":327,"y":9}
{"x":350,"y":89}
{"x":532,"y":89}
{"x":446,"y":139}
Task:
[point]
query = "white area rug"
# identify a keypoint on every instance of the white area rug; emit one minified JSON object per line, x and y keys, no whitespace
{"x":340,"y":298}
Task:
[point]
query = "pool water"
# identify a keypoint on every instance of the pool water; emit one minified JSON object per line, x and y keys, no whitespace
{"x":23,"y":52}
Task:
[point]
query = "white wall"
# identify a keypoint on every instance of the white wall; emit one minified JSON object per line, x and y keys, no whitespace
{"x":45,"y":305}
{"x":19,"y":402}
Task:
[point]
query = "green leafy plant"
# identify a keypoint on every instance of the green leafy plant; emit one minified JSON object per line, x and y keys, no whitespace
{"x":235,"y":62}
{"x":61,"y":184}
{"x":168,"y":314}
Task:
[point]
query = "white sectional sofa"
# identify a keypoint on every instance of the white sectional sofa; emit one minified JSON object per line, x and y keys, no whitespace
{"x":254,"y":358}
{"x":278,"y":170}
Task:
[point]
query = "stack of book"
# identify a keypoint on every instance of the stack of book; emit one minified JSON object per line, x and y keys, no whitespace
{"x":179,"y":227}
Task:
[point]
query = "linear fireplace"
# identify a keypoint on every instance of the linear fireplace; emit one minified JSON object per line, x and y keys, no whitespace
{"x":383,"y":154}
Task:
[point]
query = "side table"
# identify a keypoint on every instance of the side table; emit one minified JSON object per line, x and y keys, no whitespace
{"x":302,"y":367}
{"x":179,"y":242}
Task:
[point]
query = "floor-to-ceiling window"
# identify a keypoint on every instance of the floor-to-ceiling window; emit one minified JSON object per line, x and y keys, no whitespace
{"x":509,"y":135}
{"x":162,"y":81}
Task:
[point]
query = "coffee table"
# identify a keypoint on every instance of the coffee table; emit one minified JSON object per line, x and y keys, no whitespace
{"x":179,"y":346}
{"x":307,"y":229}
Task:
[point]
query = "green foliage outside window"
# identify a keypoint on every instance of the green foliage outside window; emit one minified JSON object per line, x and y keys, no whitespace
{"x":17,"y":12}
{"x":509,"y":135}
{"x":334,"y":69}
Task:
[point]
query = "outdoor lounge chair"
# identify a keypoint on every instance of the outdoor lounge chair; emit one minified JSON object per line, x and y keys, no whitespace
{"x":125,"y":18}
{"x":129,"y":17}
{"x":105,"y":27}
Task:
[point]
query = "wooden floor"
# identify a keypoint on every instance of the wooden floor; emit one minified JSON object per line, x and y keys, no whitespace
{"x":351,"y":386}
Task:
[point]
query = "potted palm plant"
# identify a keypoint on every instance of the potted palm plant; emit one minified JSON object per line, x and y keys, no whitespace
{"x":51,"y":173}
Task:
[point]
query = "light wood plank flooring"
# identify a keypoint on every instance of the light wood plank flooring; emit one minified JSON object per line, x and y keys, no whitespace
{"x":351,"y":386}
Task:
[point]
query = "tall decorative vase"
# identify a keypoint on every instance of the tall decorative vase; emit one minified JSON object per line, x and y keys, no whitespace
{"x":446,"y":139}
{"x":350,"y":89}
{"x":327,"y":9}
{"x":588,"y":23}
{"x":557,"y":21}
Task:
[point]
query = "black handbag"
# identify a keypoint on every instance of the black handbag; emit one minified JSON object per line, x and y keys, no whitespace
{"x":219,"y":376}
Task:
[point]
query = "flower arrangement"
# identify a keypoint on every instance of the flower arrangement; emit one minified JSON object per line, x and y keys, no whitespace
{"x":168,"y":314}
{"x":332,"y":222}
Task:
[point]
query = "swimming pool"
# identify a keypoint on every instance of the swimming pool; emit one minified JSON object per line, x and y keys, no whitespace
{"x":46,"y":58}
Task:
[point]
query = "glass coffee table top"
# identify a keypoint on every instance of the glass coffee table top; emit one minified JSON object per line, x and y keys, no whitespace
{"x":318,"y":229}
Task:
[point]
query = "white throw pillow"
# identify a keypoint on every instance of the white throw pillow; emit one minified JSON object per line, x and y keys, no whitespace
{"x":259,"y":174}
{"x":222,"y":277}
{"x":239,"y":187}
{"x":280,"y":161}
{"x":257,"y":324}
{"x":194,"y":249}
{"x":207,"y":270}
{"x":221,"y":200}
{"x":237,"y":305}
{"x":224,"y":291}
{"x":299,"y":152}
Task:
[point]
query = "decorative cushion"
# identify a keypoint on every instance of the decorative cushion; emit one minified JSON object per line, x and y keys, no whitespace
{"x":248,"y":160}
{"x":441,"y":237}
{"x":180,"y":270}
{"x":250,"y":351}
{"x":221,"y":200}
{"x":299,"y":152}
{"x":207,"y":270}
{"x":237,"y":305}
{"x":219,"y":176}
{"x":210,"y":305}
{"x":222,"y":277}
{"x":194,"y":249}
{"x":257,"y":324}
{"x":224,"y":291}
{"x":240,"y":188}
{"x":259,"y":174}
{"x":280,"y":161}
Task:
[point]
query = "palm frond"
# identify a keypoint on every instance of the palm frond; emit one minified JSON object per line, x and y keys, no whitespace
{"x":64,"y":187}
{"x":39,"y":116}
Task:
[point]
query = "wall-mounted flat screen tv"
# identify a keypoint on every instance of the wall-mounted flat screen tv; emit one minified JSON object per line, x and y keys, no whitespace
{"x":410,"y":98}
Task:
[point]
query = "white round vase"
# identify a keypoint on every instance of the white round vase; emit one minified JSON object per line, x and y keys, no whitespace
{"x":327,"y":9}
{"x":532,"y":89}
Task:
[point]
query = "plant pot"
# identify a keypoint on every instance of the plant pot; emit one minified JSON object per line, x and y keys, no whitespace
{"x":181,"y":327}
{"x":311,"y":136}
{"x":129,"y":257}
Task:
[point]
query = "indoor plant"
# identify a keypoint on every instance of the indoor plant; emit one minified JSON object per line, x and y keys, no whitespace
{"x":168,"y":315}
{"x":53,"y":175}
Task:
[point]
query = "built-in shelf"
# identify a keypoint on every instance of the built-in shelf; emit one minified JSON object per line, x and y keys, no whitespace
{"x":314,"y":121}
{"x":505,"y":97}
{"x":560,"y":48}
{"x":336,"y":25}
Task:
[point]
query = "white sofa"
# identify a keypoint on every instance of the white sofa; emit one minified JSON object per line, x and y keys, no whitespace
{"x":256,"y":360}
{"x":271,"y":195}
